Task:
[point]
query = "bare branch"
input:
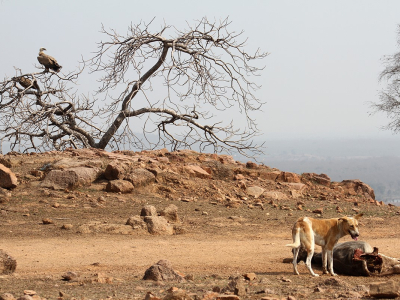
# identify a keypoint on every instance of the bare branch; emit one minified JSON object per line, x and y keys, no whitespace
{"x":201,"y":69}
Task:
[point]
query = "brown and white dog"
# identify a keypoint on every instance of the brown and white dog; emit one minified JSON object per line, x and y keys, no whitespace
{"x":324,"y":232}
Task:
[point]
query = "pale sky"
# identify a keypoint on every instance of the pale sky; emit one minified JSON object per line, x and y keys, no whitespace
{"x":321,"y":74}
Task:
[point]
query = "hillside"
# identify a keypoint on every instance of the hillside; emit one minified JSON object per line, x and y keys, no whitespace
{"x":107,"y":217}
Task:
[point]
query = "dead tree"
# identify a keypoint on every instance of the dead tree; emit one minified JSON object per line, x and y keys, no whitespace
{"x":165,"y":85}
{"x":390,"y":96}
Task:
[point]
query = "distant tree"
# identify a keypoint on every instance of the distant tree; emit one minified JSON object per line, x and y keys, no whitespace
{"x":390,"y":96}
{"x":161,"y":86}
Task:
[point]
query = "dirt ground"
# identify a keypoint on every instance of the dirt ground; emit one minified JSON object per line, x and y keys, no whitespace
{"x":216,"y":243}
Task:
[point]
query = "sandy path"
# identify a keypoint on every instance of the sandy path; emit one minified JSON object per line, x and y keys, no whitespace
{"x":188,"y":254}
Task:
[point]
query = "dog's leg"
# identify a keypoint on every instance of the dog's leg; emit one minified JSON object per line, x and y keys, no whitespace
{"x":310,"y":253}
{"x":324,"y":261}
{"x":295,"y":254}
{"x":329,"y":253}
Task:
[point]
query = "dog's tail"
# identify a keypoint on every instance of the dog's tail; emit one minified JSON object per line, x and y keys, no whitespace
{"x":296,"y":239}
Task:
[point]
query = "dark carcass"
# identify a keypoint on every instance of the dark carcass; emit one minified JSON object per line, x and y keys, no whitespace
{"x":358,"y":258}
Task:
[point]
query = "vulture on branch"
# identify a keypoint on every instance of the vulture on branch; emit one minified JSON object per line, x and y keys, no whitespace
{"x":47,"y":61}
{"x":26,"y":82}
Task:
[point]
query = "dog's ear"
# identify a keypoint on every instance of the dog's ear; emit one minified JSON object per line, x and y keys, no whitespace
{"x":358,"y":216}
{"x":343,"y":219}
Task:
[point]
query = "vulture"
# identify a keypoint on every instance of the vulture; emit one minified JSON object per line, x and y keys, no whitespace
{"x":26,"y":82}
{"x":47,"y":61}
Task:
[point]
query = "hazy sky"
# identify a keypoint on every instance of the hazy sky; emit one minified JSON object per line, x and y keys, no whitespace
{"x":321,"y":74}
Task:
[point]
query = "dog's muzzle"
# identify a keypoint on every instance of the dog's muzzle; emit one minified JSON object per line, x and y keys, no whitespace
{"x":354,"y":235}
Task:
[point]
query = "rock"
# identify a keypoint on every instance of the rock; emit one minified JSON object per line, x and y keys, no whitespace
{"x":117,"y":170}
{"x":8,"y":180}
{"x":249,"y":276}
{"x":25,"y":297}
{"x":275,"y":195}
{"x":7,"y":296}
{"x":254,"y":191}
{"x":148,"y":210}
{"x":119,"y":186}
{"x":7,"y":263}
{"x":177,"y":294}
{"x":227,"y":297}
{"x":236,"y":285}
{"x":100,"y":227}
{"x":218,"y":170}
{"x":70,"y":178}
{"x":136,"y":222}
{"x":68,"y":276}
{"x":356,"y":187}
{"x":273,"y":175}
{"x":170,"y":213}
{"x":388,"y":289}
{"x":140,"y":177}
{"x":318,"y":211}
{"x":29,"y":292}
{"x":296,"y":186}
{"x":162,"y":271}
{"x":68,"y":163}
{"x":197,"y":171}
{"x":158,"y":225}
{"x":67,"y":226}
{"x":322,"y":179}
{"x":47,"y":221}
{"x":151,"y":296}
{"x":5,"y":161}
{"x":239,"y":177}
{"x":251,"y":165}
{"x":288,"y":177}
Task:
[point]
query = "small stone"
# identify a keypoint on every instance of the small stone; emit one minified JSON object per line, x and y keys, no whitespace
{"x":249,"y":276}
{"x":7,"y":296}
{"x":67,"y":226}
{"x":68,"y":276}
{"x":318,"y":211}
{"x":47,"y":221}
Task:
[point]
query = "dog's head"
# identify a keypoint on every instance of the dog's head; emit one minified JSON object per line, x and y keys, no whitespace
{"x":350,"y":226}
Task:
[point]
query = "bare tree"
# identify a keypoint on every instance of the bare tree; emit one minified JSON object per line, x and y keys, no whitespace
{"x":161,"y":86}
{"x":390,"y":96}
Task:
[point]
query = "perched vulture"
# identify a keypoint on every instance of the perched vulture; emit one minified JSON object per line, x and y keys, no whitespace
{"x":26,"y":82}
{"x":47,"y":61}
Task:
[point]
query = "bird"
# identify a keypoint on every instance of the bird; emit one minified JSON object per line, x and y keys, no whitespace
{"x":48,"y":62}
{"x":26,"y":82}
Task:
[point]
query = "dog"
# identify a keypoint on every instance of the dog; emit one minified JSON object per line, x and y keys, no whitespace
{"x":323,"y":232}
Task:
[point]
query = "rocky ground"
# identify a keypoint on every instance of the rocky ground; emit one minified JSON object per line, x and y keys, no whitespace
{"x":87,"y":224}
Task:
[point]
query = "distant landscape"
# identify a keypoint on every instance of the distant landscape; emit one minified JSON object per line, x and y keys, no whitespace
{"x":375,"y":162}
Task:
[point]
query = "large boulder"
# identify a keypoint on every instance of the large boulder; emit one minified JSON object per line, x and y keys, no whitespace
{"x":288,"y":177}
{"x":7,"y":263}
{"x":170,"y":213}
{"x":117,"y":170}
{"x":8,"y":180}
{"x":136,"y":222}
{"x":254,"y":191}
{"x":162,"y":271}
{"x":322,"y":179}
{"x":67,"y":163}
{"x":218,"y":170}
{"x":70,"y":178}
{"x":197,"y":171}
{"x":158,"y":225}
{"x":140,"y":177}
{"x":270,"y":175}
{"x":148,"y":210}
{"x":356,"y":187}
{"x":119,"y":186}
